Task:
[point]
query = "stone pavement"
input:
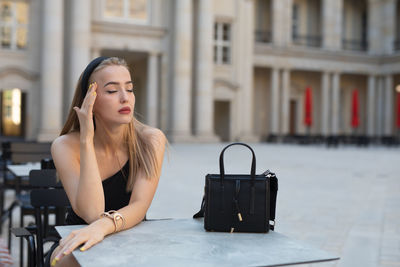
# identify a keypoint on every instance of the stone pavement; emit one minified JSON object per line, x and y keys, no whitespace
{"x":345,"y":200}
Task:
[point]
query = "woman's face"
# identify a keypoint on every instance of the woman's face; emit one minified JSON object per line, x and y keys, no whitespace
{"x":115,"y":100}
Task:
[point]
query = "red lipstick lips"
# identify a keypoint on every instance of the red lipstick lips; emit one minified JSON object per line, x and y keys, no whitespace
{"x":125,"y":110}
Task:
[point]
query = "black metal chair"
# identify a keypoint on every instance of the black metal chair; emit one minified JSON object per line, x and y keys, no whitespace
{"x":18,"y":152}
{"x":46,"y":193}
{"x":23,"y":200}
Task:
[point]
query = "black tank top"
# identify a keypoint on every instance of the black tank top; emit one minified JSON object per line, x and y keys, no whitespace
{"x":115,"y":195}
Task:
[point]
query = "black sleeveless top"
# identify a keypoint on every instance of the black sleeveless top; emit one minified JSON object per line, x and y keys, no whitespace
{"x":115,"y":195}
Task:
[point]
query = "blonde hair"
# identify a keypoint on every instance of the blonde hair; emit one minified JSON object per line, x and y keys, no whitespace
{"x":141,"y":151}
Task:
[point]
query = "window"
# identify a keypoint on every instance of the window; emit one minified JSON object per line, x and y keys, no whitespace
{"x":13,"y":24}
{"x":12,"y":112}
{"x":131,"y":10}
{"x":222,"y":43}
{"x":295,"y":20}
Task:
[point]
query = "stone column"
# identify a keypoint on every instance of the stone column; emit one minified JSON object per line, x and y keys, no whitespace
{"x":78,"y":43}
{"x":285,"y":102}
{"x":274,"y":98}
{"x":332,"y":16}
{"x":182,"y":72}
{"x":51,"y":70}
{"x":388,"y":95}
{"x":371,"y":106}
{"x":152,"y":89}
{"x":325,"y":104}
{"x":379,"y":116}
{"x":204,"y":128}
{"x":335,"y":103}
{"x":245,"y":69}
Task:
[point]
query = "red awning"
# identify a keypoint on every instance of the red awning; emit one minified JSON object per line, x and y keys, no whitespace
{"x":398,"y":110}
{"x":355,"y":116}
{"x":308,"y":107}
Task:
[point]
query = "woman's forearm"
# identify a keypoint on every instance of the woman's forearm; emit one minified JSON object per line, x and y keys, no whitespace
{"x":133,"y":214}
{"x":90,"y":195}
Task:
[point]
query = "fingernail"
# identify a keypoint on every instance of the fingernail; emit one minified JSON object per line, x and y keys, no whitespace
{"x":65,"y":253}
{"x":94,"y":93}
{"x":53,"y":263}
{"x":82,"y":249}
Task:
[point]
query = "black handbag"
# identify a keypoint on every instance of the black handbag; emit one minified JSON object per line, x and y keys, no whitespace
{"x":239,"y":202}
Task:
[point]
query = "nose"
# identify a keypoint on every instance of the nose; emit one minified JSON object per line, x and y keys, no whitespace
{"x":123,"y":96}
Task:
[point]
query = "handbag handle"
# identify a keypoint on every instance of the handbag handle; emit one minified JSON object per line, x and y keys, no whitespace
{"x":221,"y":161}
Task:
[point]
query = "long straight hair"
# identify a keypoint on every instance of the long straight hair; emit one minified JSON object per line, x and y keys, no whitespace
{"x":141,"y":151}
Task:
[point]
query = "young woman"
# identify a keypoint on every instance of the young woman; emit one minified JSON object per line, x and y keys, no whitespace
{"x":108,"y":162}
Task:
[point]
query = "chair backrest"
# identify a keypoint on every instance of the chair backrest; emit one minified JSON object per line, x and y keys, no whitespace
{"x":54,"y":197}
{"x":46,"y":178}
{"x":46,"y":192}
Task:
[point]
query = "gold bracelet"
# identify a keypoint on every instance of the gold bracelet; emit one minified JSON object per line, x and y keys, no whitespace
{"x":115,"y":216}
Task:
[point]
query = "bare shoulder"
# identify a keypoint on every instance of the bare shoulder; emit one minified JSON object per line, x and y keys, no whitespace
{"x":64,"y":143}
{"x":154,"y":135}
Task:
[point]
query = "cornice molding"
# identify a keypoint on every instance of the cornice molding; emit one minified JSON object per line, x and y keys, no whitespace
{"x":27,"y":75}
{"x":318,"y":54}
{"x":225,"y":83}
{"x":128,"y":29}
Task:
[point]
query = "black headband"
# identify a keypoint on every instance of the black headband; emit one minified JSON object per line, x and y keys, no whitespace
{"x":87,"y":72}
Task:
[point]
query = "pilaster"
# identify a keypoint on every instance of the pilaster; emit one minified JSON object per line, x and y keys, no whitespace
{"x":388,"y":95}
{"x":335,"y":103}
{"x":285,"y":102}
{"x":274,"y":98}
{"x":51,"y":70}
{"x":182,"y":69}
{"x":325,"y":103}
{"x":371,"y":109}
{"x":204,"y":100}
{"x":152,"y":89}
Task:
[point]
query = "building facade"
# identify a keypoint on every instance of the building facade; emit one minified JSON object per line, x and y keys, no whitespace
{"x":207,"y":70}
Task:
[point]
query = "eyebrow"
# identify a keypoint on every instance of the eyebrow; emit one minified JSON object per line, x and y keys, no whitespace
{"x":117,"y":83}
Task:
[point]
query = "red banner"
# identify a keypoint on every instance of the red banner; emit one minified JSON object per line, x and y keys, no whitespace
{"x":308,"y":107}
{"x":355,"y":116}
{"x":398,"y":110}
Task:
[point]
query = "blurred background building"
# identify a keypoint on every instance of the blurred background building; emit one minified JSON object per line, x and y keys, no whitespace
{"x":208,"y":70}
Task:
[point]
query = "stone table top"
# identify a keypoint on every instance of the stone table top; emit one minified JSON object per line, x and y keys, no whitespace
{"x":184,"y":242}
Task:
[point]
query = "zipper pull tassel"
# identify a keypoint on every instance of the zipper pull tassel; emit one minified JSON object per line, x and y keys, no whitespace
{"x":238,"y":211}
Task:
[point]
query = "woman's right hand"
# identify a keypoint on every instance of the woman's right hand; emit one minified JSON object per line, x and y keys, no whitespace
{"x":85,"y":114}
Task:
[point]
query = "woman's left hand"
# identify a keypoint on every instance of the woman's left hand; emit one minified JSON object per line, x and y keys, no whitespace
{"x":87,"y":237}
